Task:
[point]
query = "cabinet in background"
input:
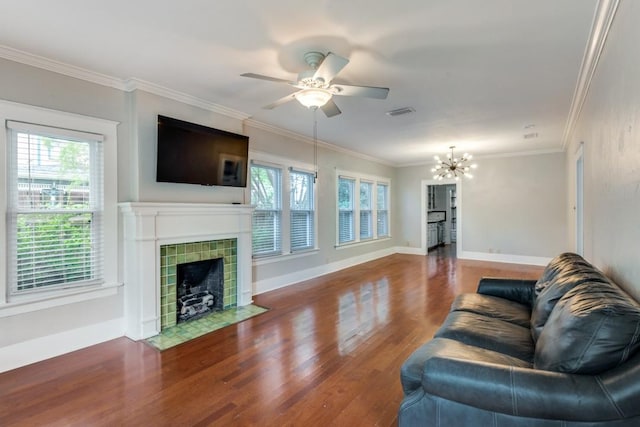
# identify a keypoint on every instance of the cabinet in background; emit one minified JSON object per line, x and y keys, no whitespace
{"x":432,"y":235}
{"x":454,"y":215}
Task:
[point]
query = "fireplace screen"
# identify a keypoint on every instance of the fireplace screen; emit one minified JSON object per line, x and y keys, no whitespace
{"x":200,"y":288}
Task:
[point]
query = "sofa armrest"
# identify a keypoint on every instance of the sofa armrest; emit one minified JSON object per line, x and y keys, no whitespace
{"x":519,"y":391}
{"x":518,"y":290}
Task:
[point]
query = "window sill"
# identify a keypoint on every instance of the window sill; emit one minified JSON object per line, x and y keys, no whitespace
{"x":29,"y":303}
{"x":284,"y":257}
{"x":362,"y":242}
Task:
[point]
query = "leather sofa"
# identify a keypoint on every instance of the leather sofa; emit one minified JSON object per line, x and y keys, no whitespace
{"x":559,"y":351}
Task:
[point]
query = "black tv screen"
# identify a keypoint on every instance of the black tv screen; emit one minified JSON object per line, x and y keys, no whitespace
{"x":194,"y":154}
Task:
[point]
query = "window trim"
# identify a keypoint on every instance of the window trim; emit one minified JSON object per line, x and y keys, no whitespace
{"x":286,"y":165}
{"x":374,"y":181}
{"x":15,"y":304}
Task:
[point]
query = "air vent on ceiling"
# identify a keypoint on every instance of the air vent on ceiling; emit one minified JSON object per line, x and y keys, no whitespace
{"x":400,"y":111}
{"x":531,"y":135}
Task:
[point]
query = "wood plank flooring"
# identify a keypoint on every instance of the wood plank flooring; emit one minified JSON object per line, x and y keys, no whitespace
{"x":327,"y":353}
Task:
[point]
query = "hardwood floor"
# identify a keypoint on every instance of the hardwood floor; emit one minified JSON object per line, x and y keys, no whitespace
{"x":327,"y":353}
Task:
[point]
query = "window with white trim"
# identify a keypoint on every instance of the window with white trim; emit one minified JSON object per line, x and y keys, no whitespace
{"x":266,"y":195}
{"x":382,"y":208}
{"x":55,"y":208}
{"x":284,"y":220}
{"x":366,"y":211}
{"x":301,"y":202}
{"x":346,"y":206}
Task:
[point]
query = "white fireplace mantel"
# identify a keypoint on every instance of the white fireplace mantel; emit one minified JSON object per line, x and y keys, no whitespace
{"x":147,"y":226}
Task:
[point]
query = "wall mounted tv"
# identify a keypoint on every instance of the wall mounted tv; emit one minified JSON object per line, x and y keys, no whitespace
{"x":193,"y":154}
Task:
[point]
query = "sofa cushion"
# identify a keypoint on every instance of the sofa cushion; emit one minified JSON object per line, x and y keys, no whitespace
{"x":558,"y":264}
{"x":488,"y":333}
{"x":562,"y":283}
{"x":491,"y":306}
{"x":412,"y":370}
{"x":594,"y":327}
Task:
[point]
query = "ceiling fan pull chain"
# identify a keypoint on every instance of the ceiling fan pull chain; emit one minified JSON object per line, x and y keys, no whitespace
{"x":315,"y":144}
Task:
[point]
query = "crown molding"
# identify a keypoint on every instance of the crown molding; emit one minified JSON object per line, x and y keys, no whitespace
{"x":138,"y":84}
{"x":132,"y":84}
{"x":494,"y":156}
{"x":602,"y":20}
{"x":300,"y":137}
{"x":60,"y":67}
{"x":127,"y":85}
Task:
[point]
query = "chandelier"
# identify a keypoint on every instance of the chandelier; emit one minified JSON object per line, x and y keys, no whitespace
{"x":453,"y":167}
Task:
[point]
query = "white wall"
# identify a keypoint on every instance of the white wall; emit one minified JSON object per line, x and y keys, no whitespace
{"x":513,"y":209}
{"x":609,"y":126}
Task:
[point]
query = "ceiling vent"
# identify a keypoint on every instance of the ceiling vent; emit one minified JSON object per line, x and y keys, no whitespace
{"x":400,"y":111}
{"x":531,"y":135}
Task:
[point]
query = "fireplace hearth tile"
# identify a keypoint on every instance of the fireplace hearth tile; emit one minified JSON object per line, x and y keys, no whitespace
{"x":185,"y":331}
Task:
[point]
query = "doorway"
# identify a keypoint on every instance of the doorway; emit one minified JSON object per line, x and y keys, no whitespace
{"x":441,"y":217}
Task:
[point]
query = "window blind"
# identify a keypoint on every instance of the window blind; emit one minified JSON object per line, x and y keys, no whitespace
{"x":366,"y":213}
{"x":55,"y":208}
{"x":382,"y":205}
{"x":301,"y":201}
{"x":266,"y":195}
{"x":346,"y":218}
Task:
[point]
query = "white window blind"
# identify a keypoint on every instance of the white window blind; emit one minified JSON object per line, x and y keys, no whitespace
{"x":55,"y":208}
{"x":382,"y":206}
{"x":301,"y":201}
{"x":346,"y":218}
{"x":266,"y":195}
{"x":366,"y":213}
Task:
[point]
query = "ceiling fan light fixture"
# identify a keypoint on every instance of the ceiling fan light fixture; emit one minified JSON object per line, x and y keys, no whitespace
{"x":313,"y":97}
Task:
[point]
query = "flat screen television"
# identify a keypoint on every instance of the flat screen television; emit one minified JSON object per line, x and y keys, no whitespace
{"x":194,"y":154}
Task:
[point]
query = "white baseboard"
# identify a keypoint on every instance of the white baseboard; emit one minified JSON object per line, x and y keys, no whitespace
{"x":38,"y":349}
{"x":407,"y":250}
{"x":266,"y":285}
{"x":507,"y":258}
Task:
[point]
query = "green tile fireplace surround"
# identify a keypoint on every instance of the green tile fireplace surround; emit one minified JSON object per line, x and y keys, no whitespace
{"x":174,"y":254}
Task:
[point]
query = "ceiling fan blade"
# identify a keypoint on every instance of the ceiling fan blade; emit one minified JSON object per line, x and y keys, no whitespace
{"x":330,"y":67}
{"x":366,"y":91}
{"x":330,"y":109}
{"x":270,"y":79}
{"x":281,"y":101}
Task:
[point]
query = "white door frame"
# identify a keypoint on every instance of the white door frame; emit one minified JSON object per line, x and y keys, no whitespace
{"x":578,"y":208}
{"x":424,"y":184}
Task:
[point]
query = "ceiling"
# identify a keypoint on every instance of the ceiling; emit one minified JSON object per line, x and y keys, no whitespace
{"x":479,"y":74}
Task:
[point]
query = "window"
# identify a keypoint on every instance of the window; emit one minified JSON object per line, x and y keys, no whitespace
{"x":346,"y":218}
{"x":367,"y":217}
{"x":266,"y":195}
{"x":284,"y":220}
{"x":55,"y":208}
{"x":301,"y":201}
{"x":383,"y":210}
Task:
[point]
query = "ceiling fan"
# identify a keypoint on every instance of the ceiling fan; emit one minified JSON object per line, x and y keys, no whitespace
{"x":316,"y":87}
